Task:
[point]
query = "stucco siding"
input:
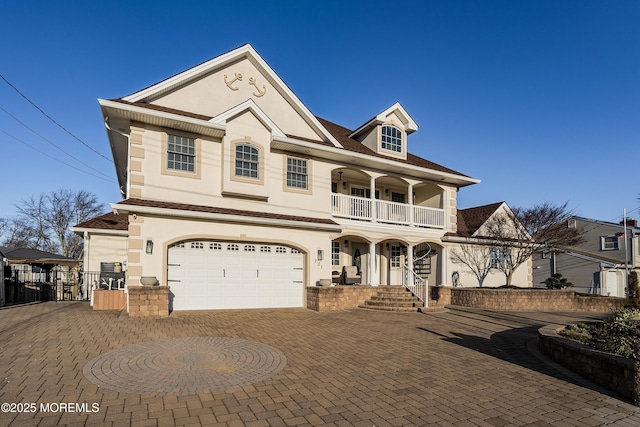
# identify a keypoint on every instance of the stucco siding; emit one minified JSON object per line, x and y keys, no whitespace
{"x":103,"y":248}
{"x":164,"y":231}
{"x":211,"y":96}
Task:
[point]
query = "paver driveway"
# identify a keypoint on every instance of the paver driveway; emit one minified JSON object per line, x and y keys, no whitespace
{"x":358,"y":367}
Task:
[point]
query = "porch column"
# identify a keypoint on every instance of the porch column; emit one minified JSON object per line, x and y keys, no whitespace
{"x":443,"y":266}
{"x":411,"y":220}
{"x":410,"y":257}
{"x":372,"y":198}
{"x":373,"y":277}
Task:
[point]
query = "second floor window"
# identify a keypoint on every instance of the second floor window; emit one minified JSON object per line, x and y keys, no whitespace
{"x":297,"y":173}
{"x":247,"y":161}
{"x":392,"y":139}
{"x":609,"y":243}
{"x":181,"y":153}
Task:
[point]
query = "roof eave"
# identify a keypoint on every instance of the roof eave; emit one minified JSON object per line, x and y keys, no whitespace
{"x":161,"y":118}
{"x":182,"y":213}
{"x":81,"y":230}
{"x":352,"y":157}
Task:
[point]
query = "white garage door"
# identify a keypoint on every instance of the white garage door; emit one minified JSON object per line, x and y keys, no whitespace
{"x":207,"y":275}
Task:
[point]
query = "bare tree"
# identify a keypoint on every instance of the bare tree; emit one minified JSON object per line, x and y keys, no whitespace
{"x":4,"y":226}
{"x":521,"y":232}
{"x":476,"y":258}
{"x":43,"y":222}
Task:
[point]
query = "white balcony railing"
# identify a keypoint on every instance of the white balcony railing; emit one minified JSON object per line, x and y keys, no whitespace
{"x":361,"y":208}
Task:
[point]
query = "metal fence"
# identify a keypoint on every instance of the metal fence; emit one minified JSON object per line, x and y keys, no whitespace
{"x":32,"y":284}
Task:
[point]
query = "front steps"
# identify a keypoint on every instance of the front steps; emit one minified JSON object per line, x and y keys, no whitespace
{"x":397,"y":298}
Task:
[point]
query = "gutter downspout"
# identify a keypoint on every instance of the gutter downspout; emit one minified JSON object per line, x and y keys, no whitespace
{"x":125,"y":193}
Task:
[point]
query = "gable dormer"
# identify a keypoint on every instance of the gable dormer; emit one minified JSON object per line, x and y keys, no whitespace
{"x":387,"y":132}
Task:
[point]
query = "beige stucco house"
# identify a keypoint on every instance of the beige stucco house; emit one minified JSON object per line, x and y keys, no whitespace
{"x":237,"y":196}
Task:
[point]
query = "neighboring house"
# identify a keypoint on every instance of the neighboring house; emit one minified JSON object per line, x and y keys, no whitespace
{"x":596,"y":266}
{"x":472,"y":230}
{"x":237,"y":196}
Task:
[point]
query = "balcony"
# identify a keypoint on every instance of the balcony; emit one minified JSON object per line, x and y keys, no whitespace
{"x":363,"y":209}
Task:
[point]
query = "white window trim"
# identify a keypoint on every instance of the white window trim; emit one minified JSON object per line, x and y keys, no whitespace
{"x":261,"y":161}
{"x":165,"y":170}
{"x":389,"y":146}
{"x":256,"y":162}
{"x":335,"y":253}
{"x":285,"y":166}
{"x":305,"y":174}
{"x":603,"y":240}
{"x":395,"y":255}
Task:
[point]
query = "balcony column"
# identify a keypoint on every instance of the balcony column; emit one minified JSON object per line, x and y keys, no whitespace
{"x":410,"y":257}
{"x":372,"y":198}
{"x":373,"y":274}
{"x":411,"y":213}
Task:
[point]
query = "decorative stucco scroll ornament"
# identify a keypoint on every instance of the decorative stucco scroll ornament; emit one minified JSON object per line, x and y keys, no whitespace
{"x":229,"y":84}
{"x":260,"y":93}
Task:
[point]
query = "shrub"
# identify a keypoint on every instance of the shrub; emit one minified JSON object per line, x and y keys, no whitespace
{"x":580,"y":332}
{"x":617,"y":334}
{"x":634,"y":290}
{"x":558,"y":282}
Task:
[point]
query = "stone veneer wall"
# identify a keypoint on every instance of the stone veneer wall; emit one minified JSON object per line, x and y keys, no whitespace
{"x":333,"y":298}
{"x":440,"y":295}
{"x":148,"y":301}
{"x":613,"y":372}
{"x":533,"y":300}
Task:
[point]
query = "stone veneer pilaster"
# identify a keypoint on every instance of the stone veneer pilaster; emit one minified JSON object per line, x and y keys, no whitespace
{"x":135,"y":247}
{"x":136,"y":155}
{"x":148,"y":301}
{"x":453,"y":206}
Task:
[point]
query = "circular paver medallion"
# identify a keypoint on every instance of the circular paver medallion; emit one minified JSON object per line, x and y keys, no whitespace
{"x":185,"y":366}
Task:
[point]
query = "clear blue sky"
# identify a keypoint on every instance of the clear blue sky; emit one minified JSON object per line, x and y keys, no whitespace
{"x":538,"y":99}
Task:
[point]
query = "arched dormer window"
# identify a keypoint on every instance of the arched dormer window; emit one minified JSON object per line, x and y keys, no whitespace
{"x":391,"y":138}
{"x":247,"y":161}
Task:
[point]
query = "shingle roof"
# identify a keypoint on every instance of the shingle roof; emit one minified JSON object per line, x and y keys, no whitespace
{"x":471,"y":219}
{"x":340,"y":133}
{"x":108,"y":221}
{"x":224,"y":211}
{"x":28,"y":255}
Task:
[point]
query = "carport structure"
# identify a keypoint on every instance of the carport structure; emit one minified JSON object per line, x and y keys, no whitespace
{"x":52,"y":279}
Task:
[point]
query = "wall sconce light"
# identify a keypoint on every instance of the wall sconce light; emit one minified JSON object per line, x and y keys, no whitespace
{"x":346,"y":243}
{"x":320,"y":255}
{"x":149,"y":248}
{"x":340,"y":176}
{"x":344,"y":185}
{"x":387,"y":246}
{"x":386,"y":191}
